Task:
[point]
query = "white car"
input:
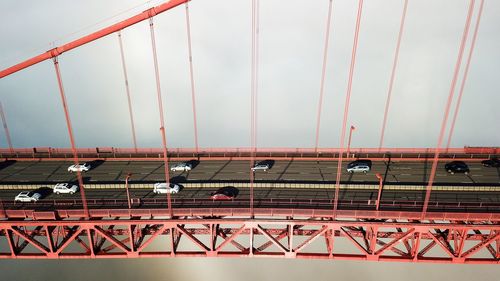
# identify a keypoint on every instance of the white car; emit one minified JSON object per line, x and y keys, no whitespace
{"x":261,"y":167}
{"x":85,"y":167}
{"x":28,"y":196}
{"x":161,"y":188}
{"x":65,"y":188}
{"x":181,"y":167}
{"x":358,"y":166}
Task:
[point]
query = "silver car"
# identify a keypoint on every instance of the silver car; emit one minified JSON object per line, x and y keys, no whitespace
{"x":161,"y":188}
{"x":65,"y":188}
{"x":85,"y":167}
{"x":261,"y":167}
{"x":28,"y":196}
{"x":181,"y":167}
{"x":359,"y":166}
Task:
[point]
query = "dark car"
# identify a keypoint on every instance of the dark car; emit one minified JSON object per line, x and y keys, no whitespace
{"x":225,"y":193}
{"x":457,"y":167}
{"x":493,"y":162}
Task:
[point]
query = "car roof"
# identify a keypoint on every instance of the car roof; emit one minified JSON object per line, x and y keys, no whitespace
{"x":24,"y":193}
{"x":164,"y":184}
{"x":362,"y":161}
{"x":457,"y":163}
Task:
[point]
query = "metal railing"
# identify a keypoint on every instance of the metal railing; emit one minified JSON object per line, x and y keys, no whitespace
{"x":320,"y":204}
{"x":244,"y":152}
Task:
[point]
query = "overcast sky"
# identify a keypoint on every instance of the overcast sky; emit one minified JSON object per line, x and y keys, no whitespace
{"x":291,"y":45}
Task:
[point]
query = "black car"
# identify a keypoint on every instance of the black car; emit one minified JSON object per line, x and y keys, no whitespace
{"x":493,"y":162}
{"x":457,"y":167}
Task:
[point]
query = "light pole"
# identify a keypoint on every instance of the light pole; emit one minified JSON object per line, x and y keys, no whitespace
{"x":349,"y":141}
{"x":126,"y":187}
{"x":380,"y":179}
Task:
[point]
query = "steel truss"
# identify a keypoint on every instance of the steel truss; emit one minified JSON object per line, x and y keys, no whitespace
{"x":313,"y":238}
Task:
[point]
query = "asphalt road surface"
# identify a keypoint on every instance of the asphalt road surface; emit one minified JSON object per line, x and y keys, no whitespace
{"x":212,"y":171}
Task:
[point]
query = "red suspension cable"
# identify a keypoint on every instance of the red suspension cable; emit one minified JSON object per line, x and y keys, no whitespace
{"x":191,"y":75}
{"x":253,"y":93}
{"x":160,"y":109}
{"x":346,"y":105}
{"x":464,"y":78}
{"x":393,"y":73}
{"x":323,"y":73}
{"x":447,"y":108}
{"x":71,"y":136}
{"x":91,"y":37}
{"x":6,"y":128}
{"x":127,"y":88}
{"x":256,"y":77}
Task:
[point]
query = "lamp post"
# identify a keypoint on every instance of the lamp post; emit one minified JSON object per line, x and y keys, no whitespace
{"x":380,"y":179}
{"x":349,"y":141}
{"x":126,"y":187}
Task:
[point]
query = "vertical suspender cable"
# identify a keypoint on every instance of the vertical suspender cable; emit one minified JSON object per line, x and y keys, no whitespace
{"x":464,"y":78}
{"x":253,"y":92}
{"x":323,"y":73}
{"x":127,"y":88}
{"x":191,"y":75}
{"x":162,"y":119}
{"x":447,"y":108}
{"x":393,"y":73}
{"x":252,"y":111}
{"x":71,"y":136}
{"x":256,"y":76}
{"x":6,"y":129}
{"x":346,"y":106}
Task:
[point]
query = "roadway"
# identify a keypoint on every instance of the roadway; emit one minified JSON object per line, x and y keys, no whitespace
{"x":400,"y":172}
{"x":264,"y":197}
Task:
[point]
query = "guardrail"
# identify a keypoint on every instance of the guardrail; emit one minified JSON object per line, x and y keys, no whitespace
{"x":219,"y":153}
{"x":276,"y":203}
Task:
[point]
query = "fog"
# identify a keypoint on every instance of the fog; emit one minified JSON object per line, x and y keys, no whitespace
{"x":291,"y":53}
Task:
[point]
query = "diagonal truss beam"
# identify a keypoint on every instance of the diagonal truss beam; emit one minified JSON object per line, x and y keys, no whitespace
{"x":391,"y":244}
{"x":481,"y":245}
{"x":271,"y":238}
{"x":231,"y":239}
{"x":31,"y":241}
{"x":112,"y":239}
{"x":192,"y":238}
{"x":445,"y":234}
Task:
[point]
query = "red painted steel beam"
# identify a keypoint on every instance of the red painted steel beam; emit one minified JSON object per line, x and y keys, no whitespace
{"x":345,"y":231}
{"x":91,"y":37}
{"x":245,"y":212}
{"x":238,"y":152}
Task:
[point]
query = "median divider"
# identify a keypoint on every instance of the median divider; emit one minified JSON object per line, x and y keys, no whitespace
{"x":216,"y":185}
